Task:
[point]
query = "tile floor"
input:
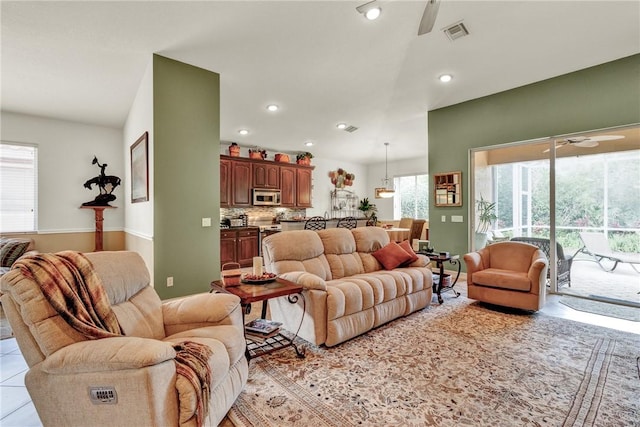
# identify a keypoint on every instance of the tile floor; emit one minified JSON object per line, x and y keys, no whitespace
{"x":16,"y":409}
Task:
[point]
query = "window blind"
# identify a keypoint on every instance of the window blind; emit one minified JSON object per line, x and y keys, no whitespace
{"x":18,"y":187}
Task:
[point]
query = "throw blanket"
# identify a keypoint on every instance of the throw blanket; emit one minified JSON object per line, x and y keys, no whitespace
{"x":70,"y":284}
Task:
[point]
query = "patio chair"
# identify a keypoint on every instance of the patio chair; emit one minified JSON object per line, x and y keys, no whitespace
{"x":347,"y":222}
{"x":564,"y":261}
{"x":315,"y":223}
{"x":597,"y":246}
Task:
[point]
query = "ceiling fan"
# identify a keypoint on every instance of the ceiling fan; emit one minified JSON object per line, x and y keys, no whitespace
{"x":429,"y":17}
{"x":584,"y":141}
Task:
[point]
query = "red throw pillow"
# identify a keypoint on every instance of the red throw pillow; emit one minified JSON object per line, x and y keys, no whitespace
{"x":408,"y":249}
{"x":391,"y":256}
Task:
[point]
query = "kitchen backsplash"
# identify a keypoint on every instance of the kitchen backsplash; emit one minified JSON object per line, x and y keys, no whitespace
{"x":262,"y":212}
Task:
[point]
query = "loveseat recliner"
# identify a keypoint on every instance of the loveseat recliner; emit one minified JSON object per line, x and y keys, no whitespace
{"x":134,"y":374}
{"x":347,"y":292}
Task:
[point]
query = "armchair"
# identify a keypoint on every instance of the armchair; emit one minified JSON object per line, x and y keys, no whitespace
{"x":510,"y":274}
{"x":125,"y":380}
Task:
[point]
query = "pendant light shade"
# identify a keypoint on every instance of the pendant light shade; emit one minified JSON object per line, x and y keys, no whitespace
{"x":388,"y":190}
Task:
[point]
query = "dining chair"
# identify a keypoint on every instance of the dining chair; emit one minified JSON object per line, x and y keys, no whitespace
{"x":416,"y":229}
{"x":372,"y":221}
{"x":315,"y":223}
{"x":347,"y":222}
{"x":405,"y":223}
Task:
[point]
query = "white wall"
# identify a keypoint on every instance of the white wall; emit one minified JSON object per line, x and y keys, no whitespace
{"x":322,"y":187}
{"x":375,"y":177}
{"x":65,"y":152}
{"x":139,"y":216}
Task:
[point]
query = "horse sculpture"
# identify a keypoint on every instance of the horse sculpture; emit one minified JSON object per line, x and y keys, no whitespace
{"x":106,"y":184}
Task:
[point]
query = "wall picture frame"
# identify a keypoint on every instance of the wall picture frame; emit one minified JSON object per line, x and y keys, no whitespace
{"x":140,"y":169}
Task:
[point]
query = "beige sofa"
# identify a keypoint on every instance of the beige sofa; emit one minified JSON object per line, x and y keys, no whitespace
{"x":510,"y":274}
{"x":346,"y":290}
{"x":139,"y":367}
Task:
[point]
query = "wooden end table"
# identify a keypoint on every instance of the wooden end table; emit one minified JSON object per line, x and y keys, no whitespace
{"x":254,"y":293}
{"x":440,"y":260}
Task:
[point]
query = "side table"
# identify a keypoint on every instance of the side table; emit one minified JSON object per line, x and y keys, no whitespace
{"x":254,"y":293}
{"x":439,"y":259}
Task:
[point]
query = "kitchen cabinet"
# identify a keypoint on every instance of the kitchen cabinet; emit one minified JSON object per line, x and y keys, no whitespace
{"x":247,"y":247}
{"x":288,"y":186}
{"x":225,"y":183}
{"x":266,"y":175}
{"x":238,"y":176}
{"x":238,"y":246}
{"x":303,"y":188}
{"x":240,"y":183}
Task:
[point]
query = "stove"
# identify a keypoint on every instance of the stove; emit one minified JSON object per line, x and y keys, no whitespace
{"x":265,"y":223}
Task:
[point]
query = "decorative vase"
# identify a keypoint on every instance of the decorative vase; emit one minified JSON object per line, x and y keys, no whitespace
{"x":255,"y":155}
{"x":234,"y":150}
{"x":304,"y":161}
{"x":284,"y":158}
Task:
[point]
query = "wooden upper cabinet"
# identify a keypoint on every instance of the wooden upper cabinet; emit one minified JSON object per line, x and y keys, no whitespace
{"x":238,"y":176}
{"x":287,"y":186}
{"x":225,"y":183}
{"x":241,"y":183}
{"x":303,"y":188}
{"x":266,"y":175}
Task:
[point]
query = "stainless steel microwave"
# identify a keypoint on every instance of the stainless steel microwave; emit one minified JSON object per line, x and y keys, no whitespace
{"x":266,"y":197}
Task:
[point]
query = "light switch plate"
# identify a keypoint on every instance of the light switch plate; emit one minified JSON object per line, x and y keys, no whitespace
{"x":206,"y":222}
{"x":457,"y":218}
{"x":443,"y":218}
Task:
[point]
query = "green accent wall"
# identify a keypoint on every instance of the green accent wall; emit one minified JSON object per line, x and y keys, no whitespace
{"x":186,"y":157}
{"x":598,"y":97}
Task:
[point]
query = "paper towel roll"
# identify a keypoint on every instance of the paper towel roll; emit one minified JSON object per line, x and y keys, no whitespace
{"x":257,"y":266}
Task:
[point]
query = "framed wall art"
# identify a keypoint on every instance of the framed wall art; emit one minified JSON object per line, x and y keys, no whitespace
{"x":140,"y":169}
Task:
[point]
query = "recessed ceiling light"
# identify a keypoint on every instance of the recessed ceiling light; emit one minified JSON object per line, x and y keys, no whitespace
{"x":341,"y":126}
{"x":445,"y":78}
{"x":272,"y":107}
{"x":373,"y":13}
{"x":308,"y":143}
{"x":370,"y":10}
{"x":243,"y":132}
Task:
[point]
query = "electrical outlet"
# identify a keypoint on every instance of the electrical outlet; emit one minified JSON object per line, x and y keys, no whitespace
{"x":443,"y":218}
{"x":169,"y":282}
{"x":206,"y":222}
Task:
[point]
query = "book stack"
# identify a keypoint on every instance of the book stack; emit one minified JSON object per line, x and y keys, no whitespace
{"x":262,"y":329}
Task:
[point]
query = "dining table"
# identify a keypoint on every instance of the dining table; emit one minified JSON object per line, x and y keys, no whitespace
{"x":397,"y":234}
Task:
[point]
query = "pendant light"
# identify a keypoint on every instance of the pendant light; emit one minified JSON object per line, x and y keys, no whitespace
{"x":388,"y":190}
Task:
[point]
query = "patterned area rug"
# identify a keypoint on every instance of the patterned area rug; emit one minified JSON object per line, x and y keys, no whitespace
{"x":460,"y":363}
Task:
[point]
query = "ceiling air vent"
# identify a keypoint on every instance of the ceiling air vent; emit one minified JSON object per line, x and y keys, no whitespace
{"x":456,"y":31}
{"x":350,"y":129}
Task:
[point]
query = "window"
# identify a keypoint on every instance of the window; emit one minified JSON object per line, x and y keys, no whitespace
{"x":412,"y":197}
{"x":18,"y":184}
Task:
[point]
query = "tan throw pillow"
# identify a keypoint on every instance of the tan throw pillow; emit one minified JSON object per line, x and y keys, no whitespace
{"x":391,"y":256}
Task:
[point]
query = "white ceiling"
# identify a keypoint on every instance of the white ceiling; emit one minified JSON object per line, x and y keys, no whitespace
{"x":321,"y":61}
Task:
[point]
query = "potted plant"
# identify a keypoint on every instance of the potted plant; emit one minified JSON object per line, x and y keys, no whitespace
{"x":368,"y":209}
{"x":258,"y":154}
{"x":486,"y":214}
{"x":304,"y":158}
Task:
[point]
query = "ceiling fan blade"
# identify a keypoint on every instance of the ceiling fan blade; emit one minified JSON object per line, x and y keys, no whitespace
{"x":606,"y":137}
{"x":429,"y":17}
{"x":587,"y":143}
{"x":558,"y":146}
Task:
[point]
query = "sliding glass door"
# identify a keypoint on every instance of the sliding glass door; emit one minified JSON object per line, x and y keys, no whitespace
{"x":556,"y":193}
